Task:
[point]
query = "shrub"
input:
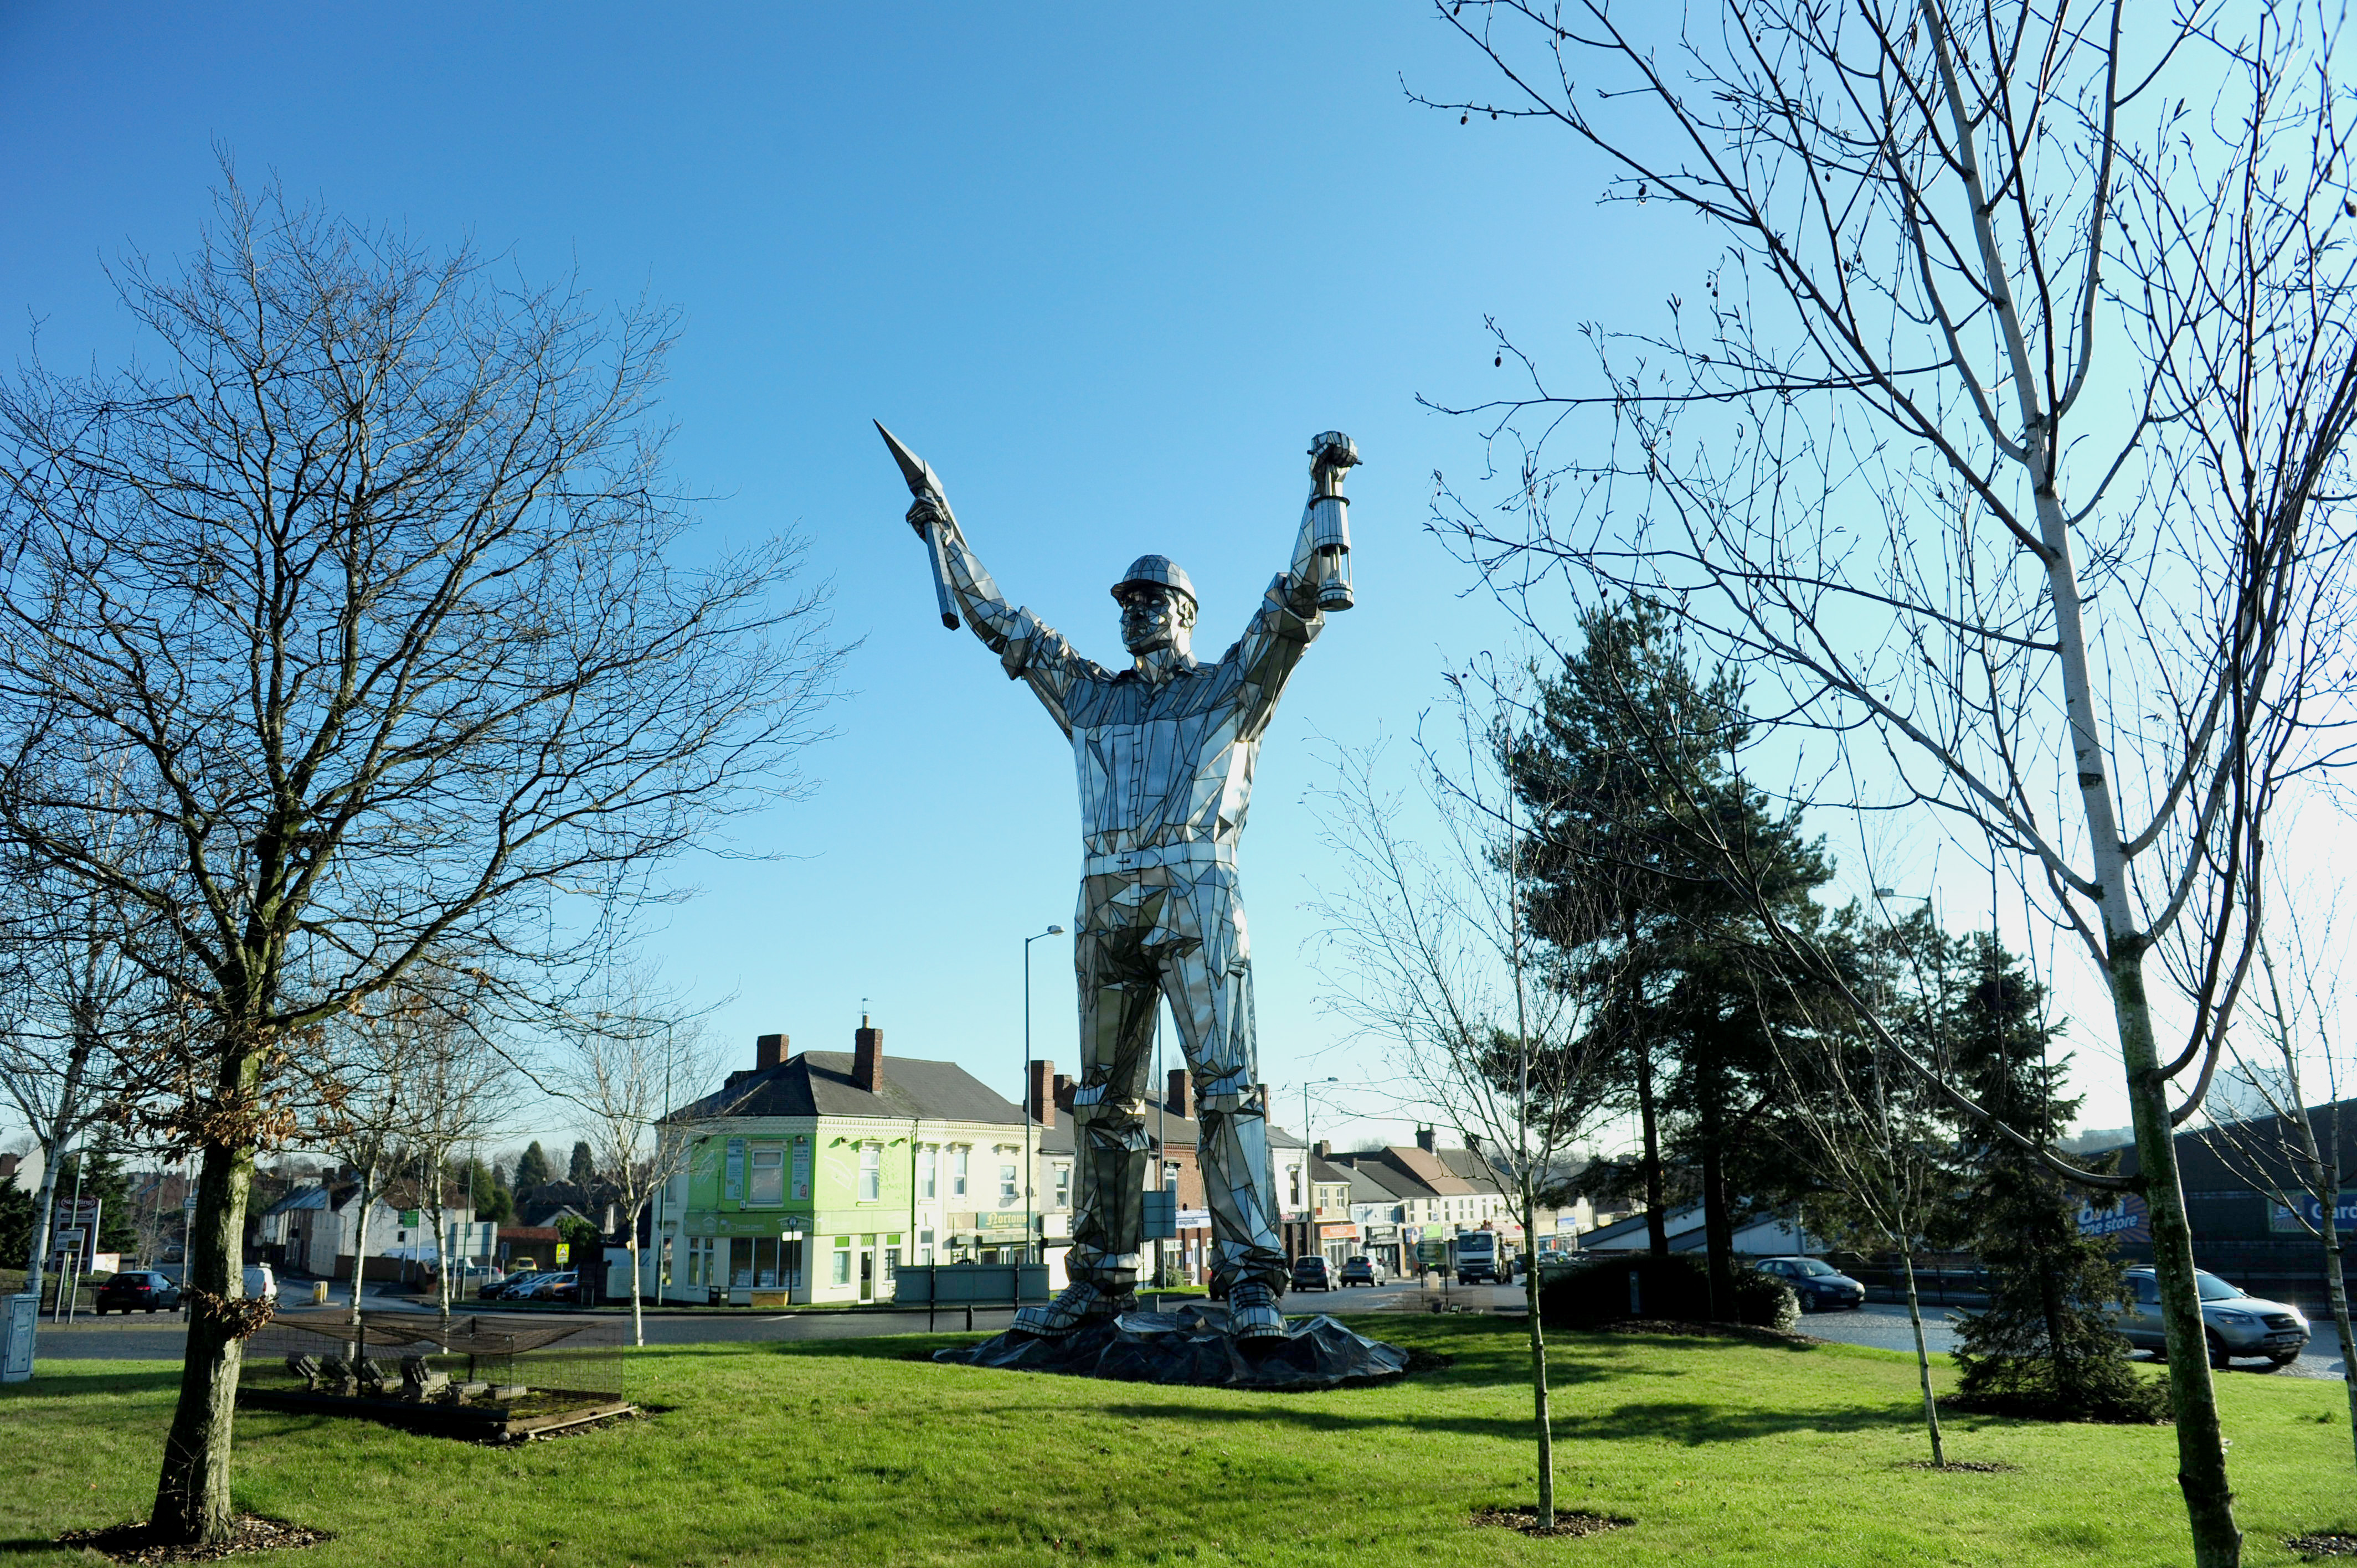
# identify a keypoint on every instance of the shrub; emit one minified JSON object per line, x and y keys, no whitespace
{"x":1676,"y":1287}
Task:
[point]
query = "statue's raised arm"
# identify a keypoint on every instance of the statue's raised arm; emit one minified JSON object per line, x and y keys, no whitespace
{"x":1029,"y":649}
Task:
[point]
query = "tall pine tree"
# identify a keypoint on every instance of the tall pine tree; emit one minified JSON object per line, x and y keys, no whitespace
{"x":1627,"y":771}
{"x":2044,"y":1344}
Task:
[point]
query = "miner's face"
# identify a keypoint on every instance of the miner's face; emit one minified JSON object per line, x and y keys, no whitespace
{"x":1153,"y":618}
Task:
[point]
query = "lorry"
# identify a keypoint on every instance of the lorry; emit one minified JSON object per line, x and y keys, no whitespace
{"x":1475,"y":1256}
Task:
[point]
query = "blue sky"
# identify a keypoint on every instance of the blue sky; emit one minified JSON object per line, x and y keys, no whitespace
{"x":1106,"y":268}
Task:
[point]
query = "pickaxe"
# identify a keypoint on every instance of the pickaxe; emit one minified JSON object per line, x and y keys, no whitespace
{"x":922,"y":482}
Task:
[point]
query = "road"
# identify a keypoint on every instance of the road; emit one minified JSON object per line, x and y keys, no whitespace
{"x":160,"y":1335}
{"x":1880,"y":1325}
{"x":1884,"y":1325}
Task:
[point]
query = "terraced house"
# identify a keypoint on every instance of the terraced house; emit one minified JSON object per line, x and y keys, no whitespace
{"x":812,"y":1177}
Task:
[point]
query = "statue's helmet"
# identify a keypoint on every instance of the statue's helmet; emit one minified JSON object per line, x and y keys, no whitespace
{"x":1160,"y":570}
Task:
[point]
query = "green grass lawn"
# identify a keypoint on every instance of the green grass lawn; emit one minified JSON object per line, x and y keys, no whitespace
{"x":854,"y":1452}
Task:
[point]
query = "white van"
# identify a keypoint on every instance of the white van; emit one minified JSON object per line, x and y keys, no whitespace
{"x":259,"y":1281}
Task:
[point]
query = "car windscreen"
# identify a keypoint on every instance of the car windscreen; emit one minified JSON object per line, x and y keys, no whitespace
{"x":2214,"y":1288}
{"x":1815,"y":1269}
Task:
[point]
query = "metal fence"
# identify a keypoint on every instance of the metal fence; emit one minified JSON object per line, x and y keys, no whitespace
{"x":551,"y":1358}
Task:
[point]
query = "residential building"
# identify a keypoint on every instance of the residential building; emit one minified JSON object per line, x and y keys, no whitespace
{"x":316,"y":1227}
{"x":812,"y":1177}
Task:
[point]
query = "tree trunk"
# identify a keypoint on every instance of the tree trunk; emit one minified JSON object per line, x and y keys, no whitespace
{"x":1657,"y":1224}
{"x":1540,"y":1415}
{"x":1717,"y":1224}
{"x":360,"y":1247}
{"x":53,"y":1148}
{"x":1922,"y":1360}
{"x":2192,"y":1396}
{"x":193,"y":1497}
{"x":638,"y":1319}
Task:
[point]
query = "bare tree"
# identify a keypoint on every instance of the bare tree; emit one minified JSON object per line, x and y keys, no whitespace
{"x":458,"y":1080}
{"x":2002,"y":445}
{"x":2275,"y":1144}
{"x":627,"y":1068}
{"x":75,"y":999}
{"x":1874,"y":1126}
{"x":367,"y":568}
{"x":371,"y":1054}
{"x":1434,"y":952}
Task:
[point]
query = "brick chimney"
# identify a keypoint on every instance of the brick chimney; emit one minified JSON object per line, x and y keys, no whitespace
{"x":867,"y":1057}
{"x":1175,"y":1097}
{"x":1039,"y":1092}
{"x":769,"y":1052}
{"x":1322,"y":1149}
{"x":1423,"y":1139}
{"x":1063,"y":1091}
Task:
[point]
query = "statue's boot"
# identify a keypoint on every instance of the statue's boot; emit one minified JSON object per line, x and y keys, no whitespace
{"x":1075,"y":1304}
{"x":1252,"y":1311}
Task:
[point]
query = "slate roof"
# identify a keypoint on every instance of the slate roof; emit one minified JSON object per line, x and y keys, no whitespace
{"x":819,"y":1083}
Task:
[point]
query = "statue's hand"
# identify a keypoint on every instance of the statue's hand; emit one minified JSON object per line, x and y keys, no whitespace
{"x":929,"y":511}
{"x":1332,"y":453}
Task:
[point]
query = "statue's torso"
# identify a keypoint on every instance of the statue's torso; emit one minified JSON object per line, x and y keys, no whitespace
{"x":1163,"y":763}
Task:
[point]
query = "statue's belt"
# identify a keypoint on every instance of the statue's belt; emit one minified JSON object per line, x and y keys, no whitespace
{"x":1194,"y":851}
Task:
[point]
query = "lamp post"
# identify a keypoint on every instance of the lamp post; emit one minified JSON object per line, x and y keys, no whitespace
{"x":1308,"y":1179}
{"x":1023,"y":1095}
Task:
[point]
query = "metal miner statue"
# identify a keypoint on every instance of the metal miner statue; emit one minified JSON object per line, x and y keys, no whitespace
{"x":1164,"y":750}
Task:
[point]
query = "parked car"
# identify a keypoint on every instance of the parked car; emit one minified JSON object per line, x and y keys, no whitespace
{"x":1310,"y":1273}
{"x":2237,"y":1325}
{"x":261,"y":1282}
{"x":1820,"y":1285}
{"x":1359,"y":1271}
{"x":137,"y":1288}
{"x":515,"y":1287}
{"x":565,"y":1286}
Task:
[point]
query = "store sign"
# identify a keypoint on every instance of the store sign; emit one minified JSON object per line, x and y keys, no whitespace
{"x":754,"y":1224}
{"x":999,"y":1222}
{"x":732,"y":1184}
{"x":2130,"y":1219}
{"x":1337,"y":1232}
{"x":802,"y":1171}
{"x":2307,"y":1215}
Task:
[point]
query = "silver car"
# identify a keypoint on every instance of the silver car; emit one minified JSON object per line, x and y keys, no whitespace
{"x":2238,"y":1324}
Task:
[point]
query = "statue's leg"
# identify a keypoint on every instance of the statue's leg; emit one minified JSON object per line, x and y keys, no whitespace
{"x":1208,"y":982}
{"x":1110,"y":1145}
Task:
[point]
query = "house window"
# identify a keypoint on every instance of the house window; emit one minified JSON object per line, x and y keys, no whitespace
{"x":769,"y":1186}
{"x":1008,"y":1192}
{"x":891,"y":1260}
{"x":924,"y":1249}
{"x":871,"y":1171}
{"x":842,"y":1260}
{"x":928,"y":1174}
{"x":957,"y":1171}
{"x":1063,"y":1187}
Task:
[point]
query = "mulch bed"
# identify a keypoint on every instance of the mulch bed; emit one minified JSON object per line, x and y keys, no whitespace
{"x":1978,"y":1467}
{"x":1420,"y":1360}
{"x":135,"y":1542}
{"x":1568,"y":1521}
{"x":2331,"y":1543}
{"x":1757,"y":1335}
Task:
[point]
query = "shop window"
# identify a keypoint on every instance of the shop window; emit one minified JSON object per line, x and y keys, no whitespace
{"x":1063,"y":1187}
{"x":769,"y":1185}
{"x":1008,"y":1190}
{"x":842,"y":1275}
{"x":871,"y":1171}
{"x":789,"y":1264}
{"x":928,"y":1174}
{"x":957,"y":1171}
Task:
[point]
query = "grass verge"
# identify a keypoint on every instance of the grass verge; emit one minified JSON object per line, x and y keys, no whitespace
{"x":1720,"y":1451}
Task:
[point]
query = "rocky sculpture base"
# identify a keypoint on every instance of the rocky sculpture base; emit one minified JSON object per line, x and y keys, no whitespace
{"x":1192,"y":1346}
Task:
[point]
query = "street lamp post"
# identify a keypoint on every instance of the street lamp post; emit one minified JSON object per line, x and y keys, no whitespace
{"x":1309,"y":1178}
{"x":1023,"y":1095}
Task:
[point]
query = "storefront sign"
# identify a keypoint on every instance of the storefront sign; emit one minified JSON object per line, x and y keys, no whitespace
{"x":2128,"y":1220}
{"x":1337,"y":1232}
{"x":802,"y":1174}
{"x":999,"y":1222}
{"x":2308,"y":1215}
{"x":770,"y":1224}
{"x":732,"y":1189}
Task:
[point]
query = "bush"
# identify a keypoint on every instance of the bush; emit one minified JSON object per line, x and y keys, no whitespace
{"x":1676,"y":1287}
